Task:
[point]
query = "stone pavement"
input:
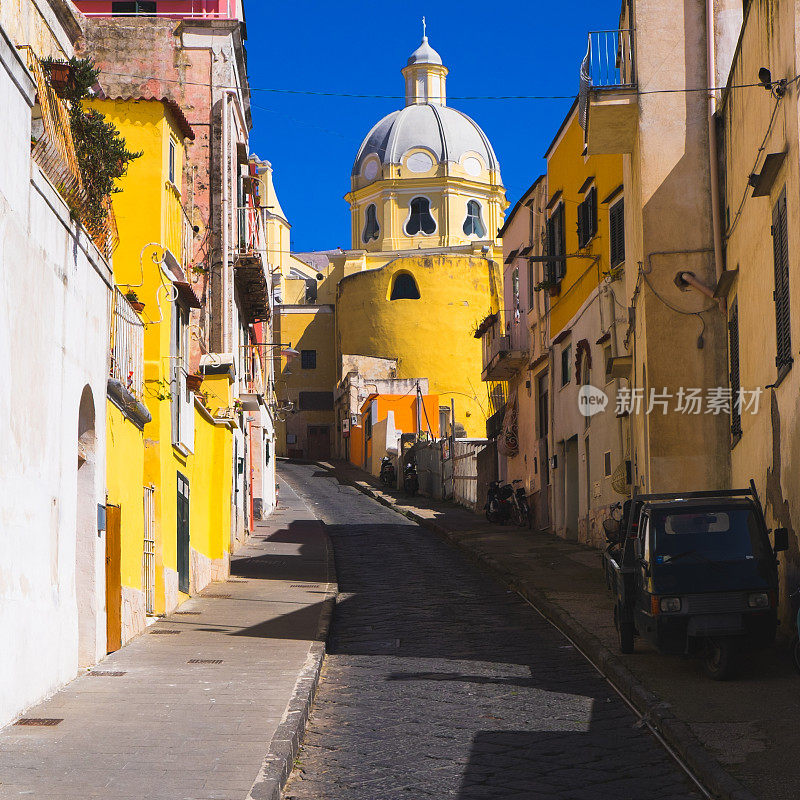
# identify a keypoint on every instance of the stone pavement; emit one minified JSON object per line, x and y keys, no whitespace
{"x":441,"y":683}
{"x":149,"y":724}
{"x":737,"y":735}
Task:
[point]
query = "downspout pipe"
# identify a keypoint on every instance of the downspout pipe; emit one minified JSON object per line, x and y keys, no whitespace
{"x":225,"y":226}
{"x":711,"y":77}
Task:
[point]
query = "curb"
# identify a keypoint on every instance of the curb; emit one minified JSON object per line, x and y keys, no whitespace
{"x":676,"y":733}
{"x":285,"y":744}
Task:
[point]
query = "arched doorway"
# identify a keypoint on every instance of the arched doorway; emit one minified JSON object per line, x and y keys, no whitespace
{"x":86,"y":533}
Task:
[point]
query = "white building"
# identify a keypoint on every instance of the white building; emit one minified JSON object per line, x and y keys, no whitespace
{"x":55,"y":292}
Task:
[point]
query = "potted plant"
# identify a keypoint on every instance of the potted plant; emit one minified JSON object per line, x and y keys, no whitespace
{"x":133,"y":299}
{"x":193,"y":382}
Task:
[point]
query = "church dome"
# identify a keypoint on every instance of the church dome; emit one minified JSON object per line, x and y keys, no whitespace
{"x":447,"y":133}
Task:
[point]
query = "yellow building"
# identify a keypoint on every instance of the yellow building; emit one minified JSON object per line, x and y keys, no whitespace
{"x":170,"y":439}
{"x":584,"y":236}
{"x":426,"y":201}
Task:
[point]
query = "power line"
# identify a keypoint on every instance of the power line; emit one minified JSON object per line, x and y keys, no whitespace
{"x":360,"y":96}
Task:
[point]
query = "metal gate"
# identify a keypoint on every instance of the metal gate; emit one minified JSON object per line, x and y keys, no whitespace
{"x":465,"y":471}
{"x":149,"y":557}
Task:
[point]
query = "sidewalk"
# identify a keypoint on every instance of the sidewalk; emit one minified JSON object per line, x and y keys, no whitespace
{"x":737,"y":736}
{"x":208,"y":704}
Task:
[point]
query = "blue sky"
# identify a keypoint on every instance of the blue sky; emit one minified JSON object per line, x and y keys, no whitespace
{"x":512,"y":48}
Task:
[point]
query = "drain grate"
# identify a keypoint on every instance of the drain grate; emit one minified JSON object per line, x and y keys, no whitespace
{"x":38,"y":722}
{"x":204,"y":661}
{"x":164,"y":633}
{"x":100,"y":674}
{"x":217,"y":596}
{"x":304,"y":586}
{"x":236,"y":580}
{"x":188,"y":613}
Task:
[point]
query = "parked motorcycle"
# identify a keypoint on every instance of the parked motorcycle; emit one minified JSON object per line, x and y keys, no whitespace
{"x":504,"y":502}
{"x":388,"y":475}
{"x":410,"y":479}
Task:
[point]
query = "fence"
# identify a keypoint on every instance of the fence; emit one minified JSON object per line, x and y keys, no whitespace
{"x":149,"y":554}
{"x":127,"y":346}
{"x":465,"y":471}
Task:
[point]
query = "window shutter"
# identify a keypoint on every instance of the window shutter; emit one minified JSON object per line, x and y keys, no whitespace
{"x":583,"y":232}
{"x":780,"y":248}
{"x":617,"y":233}
{"x":561,"y":234}
{"x":735,"y":377}
{"x":591,"y":209}
{"x":549,"y":266}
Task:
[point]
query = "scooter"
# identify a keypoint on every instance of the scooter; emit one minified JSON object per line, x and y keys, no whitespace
{"x":388,"y":476}
{"x":498,"y":501}
{"x":410,"y":479}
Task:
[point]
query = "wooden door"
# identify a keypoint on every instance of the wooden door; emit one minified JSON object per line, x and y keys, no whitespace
{"x":319,"y":442}
{"x":113,"y":578}
{"x":183,"y":534}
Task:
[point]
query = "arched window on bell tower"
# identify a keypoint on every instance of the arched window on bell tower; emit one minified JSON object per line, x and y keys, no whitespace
{"x":371,"y":227}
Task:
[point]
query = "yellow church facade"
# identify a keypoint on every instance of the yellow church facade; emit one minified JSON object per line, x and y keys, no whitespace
{"x":426,"y":201}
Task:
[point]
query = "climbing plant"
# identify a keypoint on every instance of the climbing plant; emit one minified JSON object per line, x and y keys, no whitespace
{"x":103,"y":155}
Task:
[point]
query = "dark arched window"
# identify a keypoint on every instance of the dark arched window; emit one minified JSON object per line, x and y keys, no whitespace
{"x":371,"y":227}
{"x":420,"y":219}
{"x":473,"y":224}
{"x":404,"y":287}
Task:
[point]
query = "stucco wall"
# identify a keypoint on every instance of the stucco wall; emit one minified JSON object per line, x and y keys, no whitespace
{"x":430,"y":337}
{"x":54,"y":301}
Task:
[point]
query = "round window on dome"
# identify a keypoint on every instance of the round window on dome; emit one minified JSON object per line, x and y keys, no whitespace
{"x":472,"y":166}
{"x":370,"y":170}
{"x":419,"y":162}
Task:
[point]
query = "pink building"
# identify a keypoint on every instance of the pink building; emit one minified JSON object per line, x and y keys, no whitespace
{"x":177,"y":9}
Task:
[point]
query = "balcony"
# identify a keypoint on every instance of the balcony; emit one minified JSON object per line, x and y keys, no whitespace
{"x":609,"y":92}
{"x":180,"y":230}
{"x":173,"y":9}
{"x":126,"y":374}
{"x":504,"y":354}
{"x":248,"y":264}
{"x":251,"y":381}
{"x":53,"y":150}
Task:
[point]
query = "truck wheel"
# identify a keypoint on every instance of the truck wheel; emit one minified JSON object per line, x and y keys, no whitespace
{"x":625,"y":631}
{"x":719,"y":658}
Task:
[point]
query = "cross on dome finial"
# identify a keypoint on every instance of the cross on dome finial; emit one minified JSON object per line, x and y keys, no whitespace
{"x":424,"y":29}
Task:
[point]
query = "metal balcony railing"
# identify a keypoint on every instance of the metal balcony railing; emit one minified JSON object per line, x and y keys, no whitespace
{"x":610,"y":59}
{"x":250,"y":239}
{"x":127,"y":346}
{"x":180,"y":230}
{"x":176,"y":9}
{"x":53,"y":149}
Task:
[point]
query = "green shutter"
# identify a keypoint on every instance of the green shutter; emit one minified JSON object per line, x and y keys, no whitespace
{"x":735,"y":377}
{"x":780,"y":249}
{"x":617,"y":233}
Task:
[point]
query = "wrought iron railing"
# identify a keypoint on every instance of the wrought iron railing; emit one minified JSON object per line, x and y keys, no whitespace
{"x":250,"y":240}
{"x":53,"y":149}
{"x":610,"y":59}
{"x":127,"y":346}
{"x":180,"y":229}
{"x":196,"y":9}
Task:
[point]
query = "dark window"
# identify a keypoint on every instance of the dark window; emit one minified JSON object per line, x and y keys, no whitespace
{"x":544,"y":409}
{"x":736,"y":383}
{"x":617,"y":233}
{"x":587,"y":218}
{"x":172,"y":161}
{"x":607,"y":464}
{"x":316,"y":401}
{"x":556,"y":266}
{"x":308,"y":359}
{"x":420,"y":219}
{"x":368,"y":425}
{"x":404,"y":287}
{"x":137,"y":7}
{"x":473,"y":224}
{"x":532,"y":283}
{"x":566,"y":365}
{"x":780,"y":247}
{"x":371,"y":227}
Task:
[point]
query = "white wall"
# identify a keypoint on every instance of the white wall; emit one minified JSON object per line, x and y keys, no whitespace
{"x":54,"y":305}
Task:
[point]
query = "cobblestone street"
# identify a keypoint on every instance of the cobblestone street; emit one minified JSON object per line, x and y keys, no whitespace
{"x":440,"y":683}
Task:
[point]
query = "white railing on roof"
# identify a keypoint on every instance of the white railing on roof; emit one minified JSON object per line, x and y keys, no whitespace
{"x":127,"y":346}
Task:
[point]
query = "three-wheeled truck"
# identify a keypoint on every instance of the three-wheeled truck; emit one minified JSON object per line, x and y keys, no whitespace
{"x":695,"y":573}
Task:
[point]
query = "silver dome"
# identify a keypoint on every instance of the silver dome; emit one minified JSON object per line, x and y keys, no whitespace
{"x":447,"y":133}
{"x":424,"y":54}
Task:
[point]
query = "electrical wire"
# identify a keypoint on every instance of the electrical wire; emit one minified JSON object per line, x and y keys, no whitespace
{"x":359,"y":96}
